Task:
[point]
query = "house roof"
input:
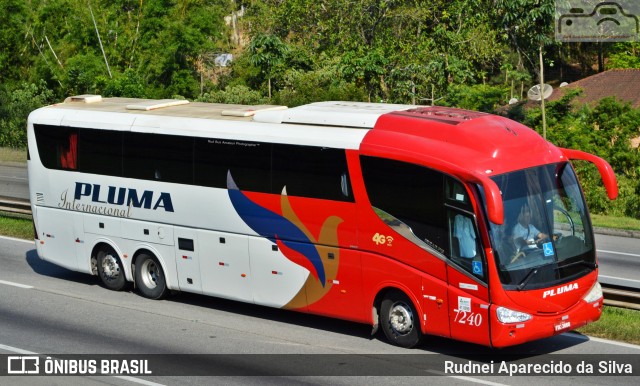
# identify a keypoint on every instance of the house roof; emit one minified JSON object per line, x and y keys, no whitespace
{"x":624,"y":84}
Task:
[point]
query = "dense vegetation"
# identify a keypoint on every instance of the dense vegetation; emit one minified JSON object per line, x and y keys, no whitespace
{"x":474,"y":54}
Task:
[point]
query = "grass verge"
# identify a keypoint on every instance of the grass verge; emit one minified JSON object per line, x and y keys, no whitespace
{"x":603,"y":221}
{"x":616,"y":323}
{"x":17,"y":226}
{"x":13,"y":155}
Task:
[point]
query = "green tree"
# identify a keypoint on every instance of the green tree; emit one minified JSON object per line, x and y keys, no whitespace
{"x":241,"y":95}
{"x":267,"y":53}
{"x":366,"y":69}
{"x":321,"y":83}
{"x":15,"y":106}
{"x":624,"y":55}
{"x":12,"y":58}
{"x":129,"y":84}
{"x":480,"y":97}
{"x":526,"y":26}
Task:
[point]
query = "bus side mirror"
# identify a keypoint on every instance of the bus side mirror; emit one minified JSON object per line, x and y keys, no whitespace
{"x":495,"y":206}
{"x":605,"y":170}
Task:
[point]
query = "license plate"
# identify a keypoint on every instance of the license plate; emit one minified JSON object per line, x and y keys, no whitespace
{"x":562,"y":325}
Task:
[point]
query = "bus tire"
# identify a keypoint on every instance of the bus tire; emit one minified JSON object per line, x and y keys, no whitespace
{"x":110,"y":269}
{"x":400,"y":320}
{"x":150,"y":278}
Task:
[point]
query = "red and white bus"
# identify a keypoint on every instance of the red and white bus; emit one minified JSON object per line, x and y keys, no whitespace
{"x":425,"y":220}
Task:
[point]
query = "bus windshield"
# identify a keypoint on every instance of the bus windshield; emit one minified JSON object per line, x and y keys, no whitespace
{"x":546,"y":236}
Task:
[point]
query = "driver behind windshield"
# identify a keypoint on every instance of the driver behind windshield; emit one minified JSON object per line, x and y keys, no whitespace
{"x":525,"y":235}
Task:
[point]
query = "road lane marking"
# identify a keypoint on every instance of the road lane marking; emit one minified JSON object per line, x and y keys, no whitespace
{"x":16,"y":284}
{"x":621,"y":344}
{"x":138,"y":380}
{"x":123,"y":377}
{"x":618,"y":278}
{"x":16,"y":350}
{"x":20,"y":240}
{"x":465,"y":378}
{"x":618,"y":253}
{"x":587,"y":338}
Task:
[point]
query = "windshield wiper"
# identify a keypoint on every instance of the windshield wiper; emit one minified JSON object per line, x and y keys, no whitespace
{"x":532,"y":273}
{"x":526,"y":279}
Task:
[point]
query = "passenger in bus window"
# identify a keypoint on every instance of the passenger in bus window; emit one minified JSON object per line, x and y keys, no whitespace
{"x":525,"y":235}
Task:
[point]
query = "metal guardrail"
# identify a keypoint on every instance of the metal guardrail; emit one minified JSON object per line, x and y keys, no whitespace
{"x":12,"y":205}
{"x":621,"y":297}
{"x":614,"y":296}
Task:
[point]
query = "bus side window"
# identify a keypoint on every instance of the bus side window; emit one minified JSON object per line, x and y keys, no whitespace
{"x":311,"y":171}
{"x":155,"y":157}
{"x":466,"y":251}
{"x":57,"y":146}
{"x":410,"y":194}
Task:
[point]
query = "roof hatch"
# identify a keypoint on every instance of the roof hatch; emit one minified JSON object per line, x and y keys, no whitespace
{"x":85,"y":98}
{"x":157,"y":104}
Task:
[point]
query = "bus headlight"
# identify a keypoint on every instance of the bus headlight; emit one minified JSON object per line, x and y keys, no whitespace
{"x":506,"y":315}
{"x":594,"y":294}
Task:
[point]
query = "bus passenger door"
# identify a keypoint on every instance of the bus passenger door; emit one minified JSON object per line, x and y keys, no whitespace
{"x":466,"y":274}
{"x":187,"y":260}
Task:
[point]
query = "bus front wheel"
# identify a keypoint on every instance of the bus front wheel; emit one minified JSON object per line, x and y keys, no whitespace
{"x":150,"y":278}
{"x":110,"y":269}
{"x":400,"y":320}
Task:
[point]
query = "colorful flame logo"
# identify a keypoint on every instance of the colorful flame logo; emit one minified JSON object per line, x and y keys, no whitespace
{"x":306,"y":251}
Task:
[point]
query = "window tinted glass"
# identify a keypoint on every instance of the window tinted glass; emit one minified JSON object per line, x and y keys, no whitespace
{"x":248,"y":162}
{"x":457,"y":195}
{"x":308,"y":171}
{"x":100,"y":152}
{"x":412,"y":194}
{"x":57,"y":146}
{"x":158,"y":157}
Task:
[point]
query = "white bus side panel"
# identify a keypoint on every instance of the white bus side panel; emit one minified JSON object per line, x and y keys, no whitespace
{"x":60,"y":244}
{"x":224,"y":265}
{"x":147,"y":232}
{"x":275,"y":279}
{"x":102,"y":225}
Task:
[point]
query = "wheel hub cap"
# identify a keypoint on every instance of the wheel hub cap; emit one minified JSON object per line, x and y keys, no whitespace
{"x":401,"y":318}
{"x":150,"y":274}
{"x":110,"y":267}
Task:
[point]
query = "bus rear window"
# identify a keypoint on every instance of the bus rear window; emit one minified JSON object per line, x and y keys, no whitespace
{"x":57,"y":146}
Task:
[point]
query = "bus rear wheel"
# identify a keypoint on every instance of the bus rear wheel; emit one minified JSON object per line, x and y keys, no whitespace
{"x":400,"y":320}
{"x":150,"y":278}
{"x":110,"y":269}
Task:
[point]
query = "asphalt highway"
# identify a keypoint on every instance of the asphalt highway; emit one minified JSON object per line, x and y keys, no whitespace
{"x":45,"y":309}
